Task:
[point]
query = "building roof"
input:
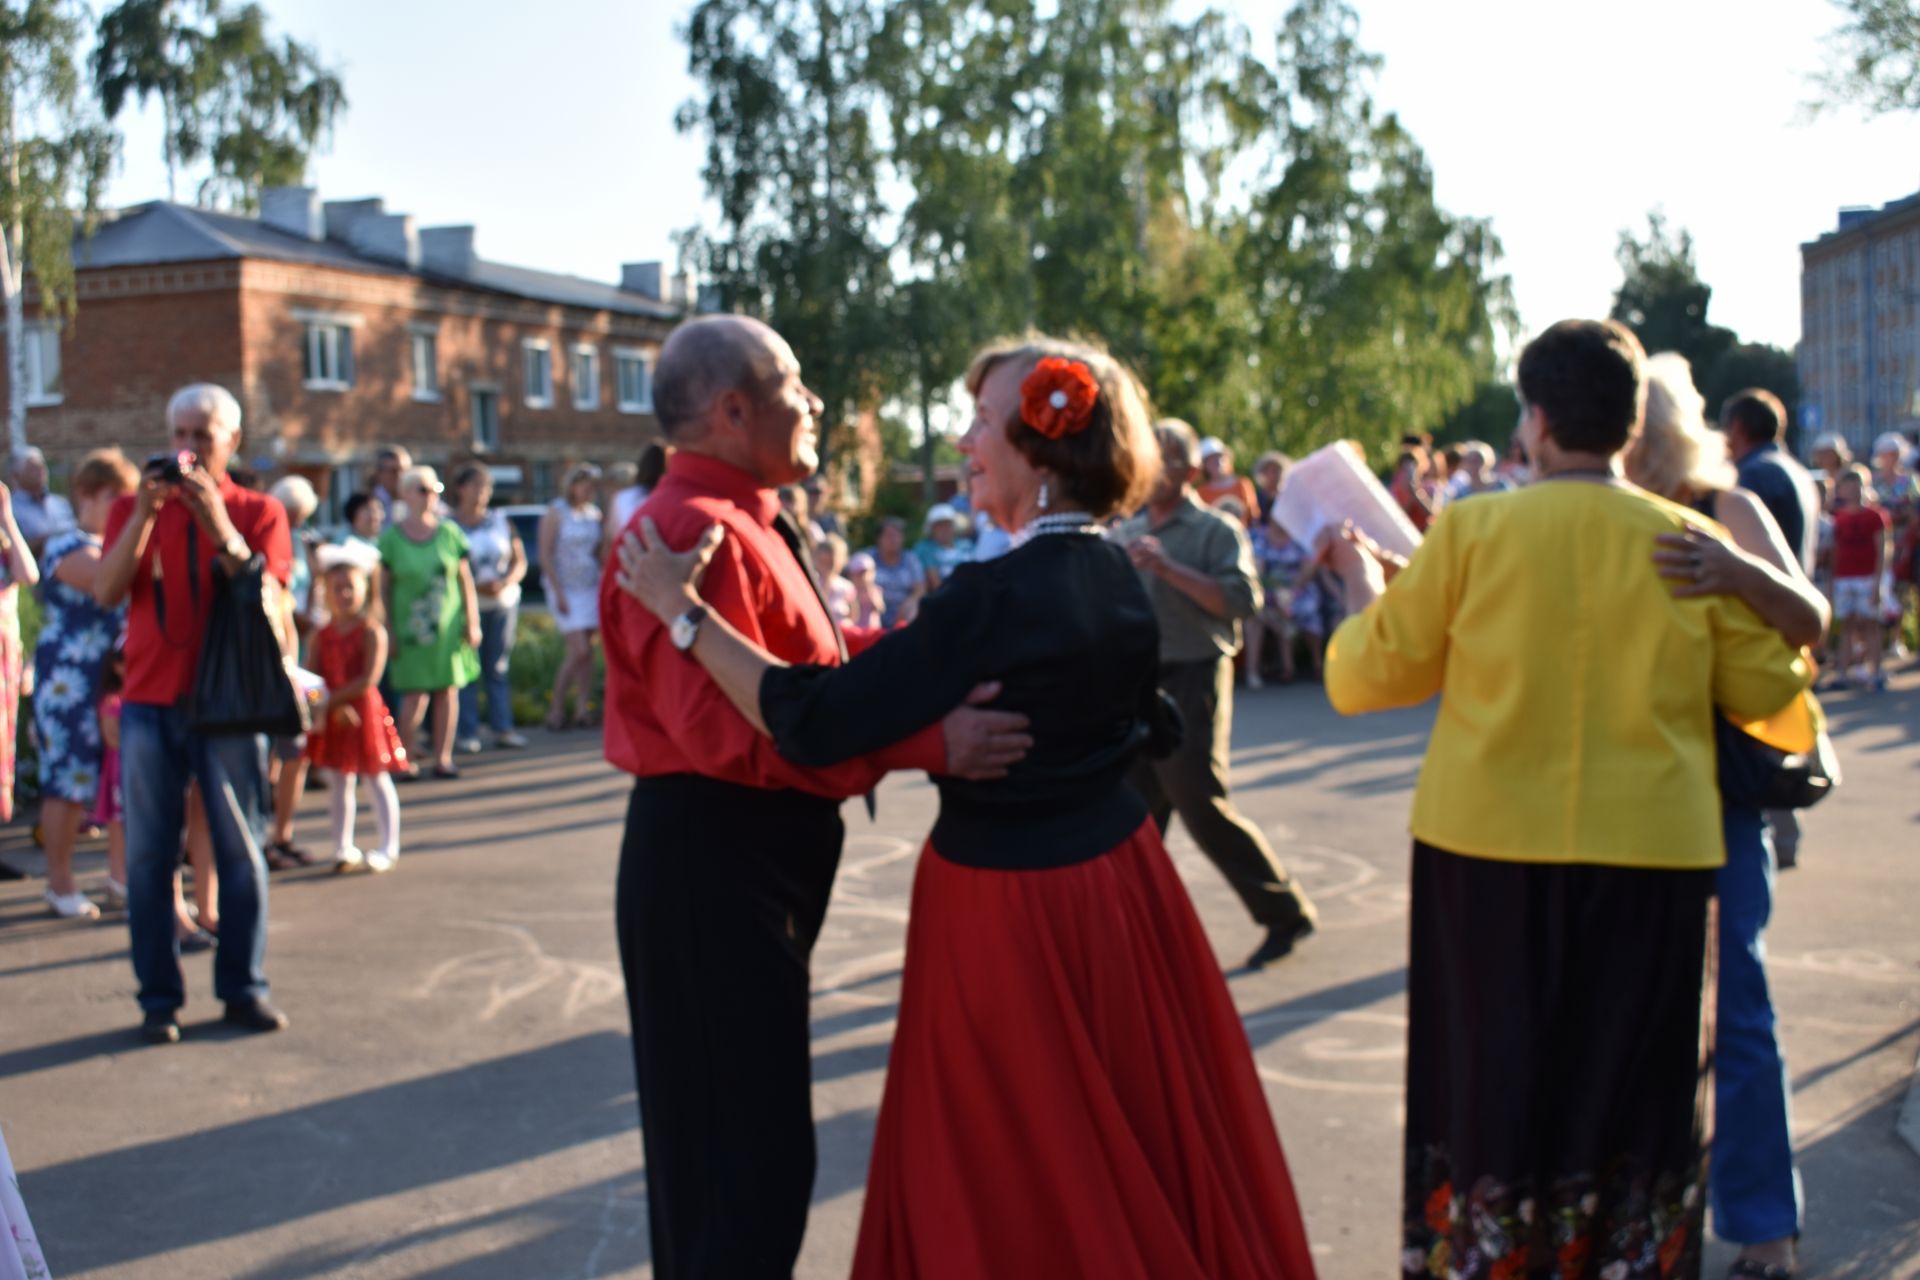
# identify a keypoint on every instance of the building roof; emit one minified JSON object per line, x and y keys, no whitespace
{"x":158,"y":232}
{"x":1856,"y":222}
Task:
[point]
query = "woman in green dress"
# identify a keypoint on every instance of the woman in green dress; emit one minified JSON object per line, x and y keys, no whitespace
{"x":433,"y":614}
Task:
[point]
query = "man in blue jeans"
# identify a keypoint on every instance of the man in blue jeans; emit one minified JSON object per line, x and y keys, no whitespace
{"x":1754,"y":1187}
{"x":164,"y":544}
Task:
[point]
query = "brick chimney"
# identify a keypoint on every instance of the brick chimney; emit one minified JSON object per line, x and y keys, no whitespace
{"x":295,"y":210}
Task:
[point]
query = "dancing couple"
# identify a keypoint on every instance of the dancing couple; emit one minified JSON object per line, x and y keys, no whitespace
{"x":1070,"y":1091}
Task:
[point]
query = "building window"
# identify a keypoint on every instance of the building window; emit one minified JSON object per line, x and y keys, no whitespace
{"x":329,"y":356}
{"x":424,"y":344}
{"x":586,"y":377}
{"x":543,"y":480}
{"x":43,"y":363}
{"x":537,"y":365}
{"x":635,"y":377}
{"x":486,"y":419}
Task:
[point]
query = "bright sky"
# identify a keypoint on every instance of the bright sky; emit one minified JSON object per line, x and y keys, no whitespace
{"x":551,"y":129}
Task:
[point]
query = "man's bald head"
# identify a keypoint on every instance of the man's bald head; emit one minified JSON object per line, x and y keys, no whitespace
{"x":704,"y":359}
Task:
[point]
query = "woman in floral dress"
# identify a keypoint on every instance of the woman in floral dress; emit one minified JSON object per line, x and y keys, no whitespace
{"x":76,"y":637}
{"x":17,"y":569}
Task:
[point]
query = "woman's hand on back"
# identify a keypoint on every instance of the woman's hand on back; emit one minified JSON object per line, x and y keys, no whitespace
{"x":1700,"y":563}
{"x":662,"y":579}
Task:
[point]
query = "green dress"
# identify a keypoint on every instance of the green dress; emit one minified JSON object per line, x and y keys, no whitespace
{"x":429,"y":623}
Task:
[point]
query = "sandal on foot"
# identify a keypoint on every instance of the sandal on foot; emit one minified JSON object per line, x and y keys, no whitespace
{"x":445,"y":771}
{"x":284,"y":855}
{"x":1754,"y":1269}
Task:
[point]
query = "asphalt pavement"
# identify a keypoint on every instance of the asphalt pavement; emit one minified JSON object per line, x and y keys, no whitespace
{"x":455,"y":1097}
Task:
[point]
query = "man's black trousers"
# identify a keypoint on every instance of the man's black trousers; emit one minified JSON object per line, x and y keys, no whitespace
{"x":721,"y":895}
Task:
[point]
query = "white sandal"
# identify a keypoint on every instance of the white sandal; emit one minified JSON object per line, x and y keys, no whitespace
{"x":72,"y":906}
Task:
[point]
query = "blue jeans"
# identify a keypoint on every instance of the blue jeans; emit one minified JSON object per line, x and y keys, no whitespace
{"x":496,"y":656}
{"x":158,"y":756}
{"x":1754,"y":1187}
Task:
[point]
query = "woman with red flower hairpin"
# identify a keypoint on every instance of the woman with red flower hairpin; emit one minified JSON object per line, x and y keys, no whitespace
{"x":1070,"y":1091}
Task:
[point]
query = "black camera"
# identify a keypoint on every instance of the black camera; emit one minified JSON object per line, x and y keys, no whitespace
{"x":170,"y":468}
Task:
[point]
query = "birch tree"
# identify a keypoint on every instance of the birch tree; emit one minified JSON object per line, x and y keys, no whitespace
{"x":54,"y":156}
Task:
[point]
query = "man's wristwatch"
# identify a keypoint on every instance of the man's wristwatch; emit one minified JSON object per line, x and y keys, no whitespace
{"x":685,"y":629}
{"x":237,"y":548}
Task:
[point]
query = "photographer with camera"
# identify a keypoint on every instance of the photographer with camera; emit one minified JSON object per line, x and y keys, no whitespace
{"x":165,"y":543}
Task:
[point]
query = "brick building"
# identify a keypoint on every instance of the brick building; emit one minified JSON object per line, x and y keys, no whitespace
{"x":342,"y":327}
{"x":1859,"y":356}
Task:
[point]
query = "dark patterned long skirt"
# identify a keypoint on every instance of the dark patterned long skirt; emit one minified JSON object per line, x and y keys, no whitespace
{"x":1555,"y":1071}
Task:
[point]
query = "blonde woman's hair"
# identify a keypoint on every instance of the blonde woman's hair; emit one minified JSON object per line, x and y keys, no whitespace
{"x":1110,"y":465}
{"x":1676,"y":454}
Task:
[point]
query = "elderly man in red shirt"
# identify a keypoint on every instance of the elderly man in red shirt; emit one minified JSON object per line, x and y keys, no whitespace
{"x":165,"y":542}
{"x":730,"y":851}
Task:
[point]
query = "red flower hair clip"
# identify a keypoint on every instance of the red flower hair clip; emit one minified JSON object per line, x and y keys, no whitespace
{"x":1057,"y":398}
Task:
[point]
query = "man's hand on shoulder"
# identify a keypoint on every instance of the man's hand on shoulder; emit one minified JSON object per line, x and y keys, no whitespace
{"x":982,"y":744}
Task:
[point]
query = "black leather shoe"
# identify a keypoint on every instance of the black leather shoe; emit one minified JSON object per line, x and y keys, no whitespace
{"x":255,"y":1015}
{"x":1279,"y":943}
{"x":160,"y":1027}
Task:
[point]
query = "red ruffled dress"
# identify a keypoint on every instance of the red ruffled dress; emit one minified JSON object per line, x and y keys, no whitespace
{"x":373,"y":745}
{"x":1070,"y":1090}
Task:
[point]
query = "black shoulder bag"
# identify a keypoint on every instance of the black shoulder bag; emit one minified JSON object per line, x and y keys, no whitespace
{"x":1758,"y":776}
{"x":241,"y":684}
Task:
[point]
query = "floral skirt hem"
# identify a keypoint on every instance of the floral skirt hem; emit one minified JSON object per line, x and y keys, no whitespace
{"x":1556,"y":1073}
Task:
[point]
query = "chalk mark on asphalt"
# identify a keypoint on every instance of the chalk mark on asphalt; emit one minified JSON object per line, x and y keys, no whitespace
{"x":528,"y":968}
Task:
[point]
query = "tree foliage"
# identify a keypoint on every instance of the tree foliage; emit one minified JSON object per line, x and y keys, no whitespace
{"x":1664,"y":301}
{"x":899,"y":181}
{"x":250,"y":106}
{"x":1878,"y":44}
{"x":54,"y":158}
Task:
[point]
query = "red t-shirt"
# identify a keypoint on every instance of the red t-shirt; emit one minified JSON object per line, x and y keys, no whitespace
{"x":1857,"y":533}
{"x":665,"y":715}
{"x":161,"y":661}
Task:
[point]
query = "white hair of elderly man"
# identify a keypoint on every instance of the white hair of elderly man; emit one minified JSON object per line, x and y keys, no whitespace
{"x":207,"y":400}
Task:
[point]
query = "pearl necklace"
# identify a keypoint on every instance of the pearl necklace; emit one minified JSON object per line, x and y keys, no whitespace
{"x":1057,"y":523}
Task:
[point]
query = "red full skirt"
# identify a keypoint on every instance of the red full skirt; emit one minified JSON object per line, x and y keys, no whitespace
{"x":1071,"y":1092}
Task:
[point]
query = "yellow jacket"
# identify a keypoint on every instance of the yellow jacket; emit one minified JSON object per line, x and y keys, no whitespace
{"x":1576,"y":693}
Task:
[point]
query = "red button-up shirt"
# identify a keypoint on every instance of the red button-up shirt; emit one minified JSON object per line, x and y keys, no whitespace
{"x":664,"y":713}
{"x":161,"y":659}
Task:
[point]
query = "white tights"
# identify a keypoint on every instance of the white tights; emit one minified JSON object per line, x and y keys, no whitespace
{"x":342,"y":801}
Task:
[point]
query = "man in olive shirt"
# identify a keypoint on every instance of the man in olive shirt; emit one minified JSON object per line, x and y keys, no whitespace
{"x":1198,"y":569}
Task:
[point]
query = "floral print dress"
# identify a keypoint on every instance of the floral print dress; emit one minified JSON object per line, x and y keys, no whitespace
{"x":76,"y":637}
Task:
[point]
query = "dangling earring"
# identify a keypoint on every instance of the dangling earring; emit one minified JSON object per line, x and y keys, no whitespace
{"x":1043,"y":495}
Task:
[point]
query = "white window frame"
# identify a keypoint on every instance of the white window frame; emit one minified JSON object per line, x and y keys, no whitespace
{"x":320,"y":347}
{"x":636,"y":355}
{"x":473,"y":421}
{"x":528,"y":346}
{"x":586,"y":389}
{"x":429,"y":392}
{"x":41,"y":336}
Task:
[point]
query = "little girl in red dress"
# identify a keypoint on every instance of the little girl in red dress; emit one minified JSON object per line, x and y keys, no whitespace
{"x":353,"y":734}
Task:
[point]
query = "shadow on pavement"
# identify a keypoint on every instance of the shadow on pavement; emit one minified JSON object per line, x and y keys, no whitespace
{"x":1859,"y":1172}
{"x":1277,"y":1020}
{"x":230,"y":1181}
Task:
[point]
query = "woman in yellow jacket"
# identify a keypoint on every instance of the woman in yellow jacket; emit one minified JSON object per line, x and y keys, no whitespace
{"x":1566,"y":829}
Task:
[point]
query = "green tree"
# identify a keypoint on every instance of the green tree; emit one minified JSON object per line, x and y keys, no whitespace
{"x":1662,"y":297}
{"x":1752,"y":364}
{"x":1664,"y":301}
{"x":54,"y":157}
{"x":252,"y":106}
{"x":1878,"y":44}
{"x":788,"y":113}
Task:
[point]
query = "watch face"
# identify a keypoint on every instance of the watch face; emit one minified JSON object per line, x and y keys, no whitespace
{"x":683,"y":630}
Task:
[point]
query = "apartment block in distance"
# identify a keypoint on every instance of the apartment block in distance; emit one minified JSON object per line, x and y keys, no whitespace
{"x":1859,"y":357}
